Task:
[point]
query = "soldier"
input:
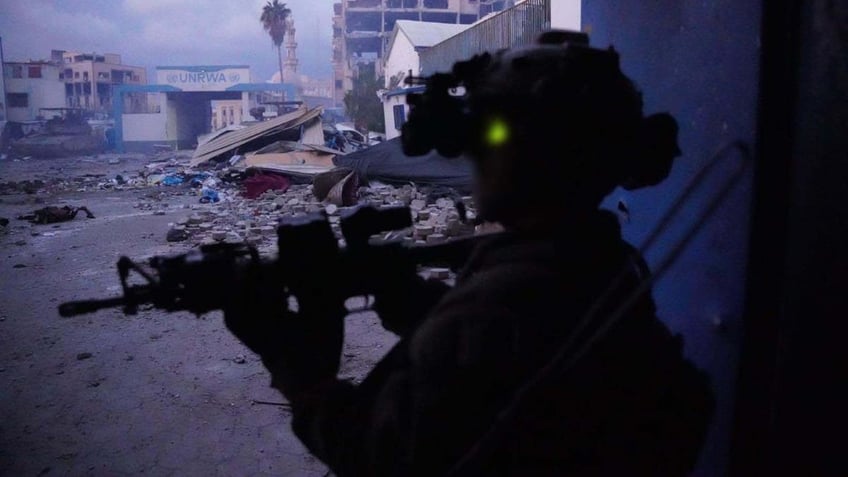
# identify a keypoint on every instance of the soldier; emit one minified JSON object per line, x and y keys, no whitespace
{"x":551,"y":129}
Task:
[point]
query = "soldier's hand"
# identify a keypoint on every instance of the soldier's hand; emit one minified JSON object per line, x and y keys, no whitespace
{"x":403,"y":305}
{"x":310,"y":346}
{"x":255,"y":311}
{"x":300,"y":348}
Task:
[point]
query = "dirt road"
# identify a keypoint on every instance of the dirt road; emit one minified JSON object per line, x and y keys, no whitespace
{"x":111,"y":395}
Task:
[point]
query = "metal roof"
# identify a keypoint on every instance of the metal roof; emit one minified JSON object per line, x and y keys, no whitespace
{"x":423,"y":35}
{"x":235,"y":139}
{"x":427,"y":34}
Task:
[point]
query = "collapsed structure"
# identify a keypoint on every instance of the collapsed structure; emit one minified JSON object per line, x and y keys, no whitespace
{"x":293,"y":145}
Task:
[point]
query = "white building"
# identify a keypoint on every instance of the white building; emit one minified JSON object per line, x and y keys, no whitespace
{"x":179,"y":108}
{"x":420,"y":48}
{"x":361,"y":30}
{"x":407,"y":40}
{"x":30,"y":87}
{"x":186,"y":103}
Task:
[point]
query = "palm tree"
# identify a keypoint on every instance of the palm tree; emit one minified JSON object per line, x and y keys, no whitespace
{"x":274,"y":15}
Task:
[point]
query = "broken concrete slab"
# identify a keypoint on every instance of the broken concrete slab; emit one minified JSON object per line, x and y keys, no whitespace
{"x":251,"y":138}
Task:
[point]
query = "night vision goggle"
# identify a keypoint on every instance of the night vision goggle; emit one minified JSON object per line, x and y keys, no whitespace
{"x":458,"y":112}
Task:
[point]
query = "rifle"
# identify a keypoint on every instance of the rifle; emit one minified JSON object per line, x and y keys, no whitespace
{"x":201,"y":281}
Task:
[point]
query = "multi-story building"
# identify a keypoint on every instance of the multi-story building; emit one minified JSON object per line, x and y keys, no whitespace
{"x":362,"y":28}
{"x":33,"y":89}
{"x":90,"y":78}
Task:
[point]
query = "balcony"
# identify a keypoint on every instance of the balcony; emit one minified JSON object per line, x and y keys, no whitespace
{"x":519,"y":25}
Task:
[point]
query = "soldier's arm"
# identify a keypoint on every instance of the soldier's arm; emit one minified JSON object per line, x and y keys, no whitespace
{"x":425,"y":403}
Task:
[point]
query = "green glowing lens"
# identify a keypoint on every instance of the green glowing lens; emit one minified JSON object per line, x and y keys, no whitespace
{"x":498,"y":133}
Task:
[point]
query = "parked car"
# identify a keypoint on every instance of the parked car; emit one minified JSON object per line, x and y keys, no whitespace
{"x":357,"y":138}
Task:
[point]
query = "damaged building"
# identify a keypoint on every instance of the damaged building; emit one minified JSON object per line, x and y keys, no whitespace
{"x":362,"y":29}
{"x":30,"y":87}
{"x":91,"y":78}
{"x":85,"y":81}
{"x":187,"y":103}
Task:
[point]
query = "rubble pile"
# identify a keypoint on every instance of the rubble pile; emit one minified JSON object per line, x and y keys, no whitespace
{"x":435,"y":218}
{"x":90,"y":173}
{"x":255,"y":221}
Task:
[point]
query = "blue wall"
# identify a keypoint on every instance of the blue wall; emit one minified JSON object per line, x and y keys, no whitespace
{"x":699,"y":61}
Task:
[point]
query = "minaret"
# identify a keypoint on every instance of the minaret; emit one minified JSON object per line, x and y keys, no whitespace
{"x":290,"y":63}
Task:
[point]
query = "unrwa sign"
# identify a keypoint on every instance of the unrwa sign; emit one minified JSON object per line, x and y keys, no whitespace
{"x":200,"y":78}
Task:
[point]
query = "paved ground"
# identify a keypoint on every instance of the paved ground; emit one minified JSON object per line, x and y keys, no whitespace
{"x":160,"y":394}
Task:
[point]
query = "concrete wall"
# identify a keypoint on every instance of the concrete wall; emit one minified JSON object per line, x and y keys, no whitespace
{"x":698,"y":60}
{"x":565,"y":14}
{"x":145,"y":127}
{"x":401,"y":58}
{"x":171,"y":112}
{"x":184,"y":117}
{"x":388,"y":113}
{"x":44,"y":92}
{"x":142,"y":131}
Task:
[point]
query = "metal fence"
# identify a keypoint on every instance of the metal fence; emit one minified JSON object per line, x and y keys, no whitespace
{"x":516,"y":26}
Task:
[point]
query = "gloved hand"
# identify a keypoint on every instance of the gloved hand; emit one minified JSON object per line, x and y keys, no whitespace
{"x":301,"y":349}
{"x":406,"y":301}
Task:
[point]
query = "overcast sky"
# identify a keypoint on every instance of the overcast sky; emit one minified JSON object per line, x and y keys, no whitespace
{"x":166,"y":32}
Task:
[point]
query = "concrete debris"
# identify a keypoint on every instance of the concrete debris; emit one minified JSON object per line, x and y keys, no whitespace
{"x":417,"y":205}
{"x":433,"y":239}
{"x":423,"y":230}
{"x":238,"y":216}
{"x":177,"y":234}
{"x":254,"y":221}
